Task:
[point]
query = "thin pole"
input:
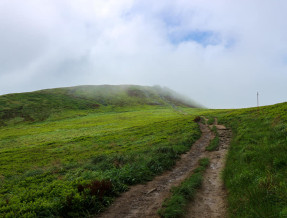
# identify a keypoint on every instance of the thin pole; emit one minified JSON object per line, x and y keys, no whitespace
{"x":258,"y":101}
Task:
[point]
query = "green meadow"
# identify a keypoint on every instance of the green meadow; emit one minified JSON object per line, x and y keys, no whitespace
{"x":69,"y":152}
{"x":42,"y":164}
{"x":75,"y":161}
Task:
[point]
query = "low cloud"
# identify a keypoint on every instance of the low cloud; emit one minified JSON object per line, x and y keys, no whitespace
{"x":217,"y":53}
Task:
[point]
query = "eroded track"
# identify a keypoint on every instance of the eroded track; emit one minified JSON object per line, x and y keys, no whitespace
{"x":145,"y":199}
{"x":210,"y":200}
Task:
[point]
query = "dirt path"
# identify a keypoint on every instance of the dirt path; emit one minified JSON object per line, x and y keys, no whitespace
{"x":145,"y":199}
{"x":210,"y":200}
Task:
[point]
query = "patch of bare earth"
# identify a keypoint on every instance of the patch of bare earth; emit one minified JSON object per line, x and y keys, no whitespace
{"x":210,"y":201}
{"x":144,"y":200}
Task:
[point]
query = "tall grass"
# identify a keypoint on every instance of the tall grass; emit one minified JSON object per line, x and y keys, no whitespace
{"x":255,"y":173}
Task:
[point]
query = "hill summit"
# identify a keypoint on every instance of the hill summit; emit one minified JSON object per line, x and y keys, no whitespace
{"x":39,"y":105}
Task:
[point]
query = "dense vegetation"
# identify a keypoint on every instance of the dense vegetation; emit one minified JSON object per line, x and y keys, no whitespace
{"x":256,"y":168}
{"x":75,"y":161}
{"x":175,"y":205}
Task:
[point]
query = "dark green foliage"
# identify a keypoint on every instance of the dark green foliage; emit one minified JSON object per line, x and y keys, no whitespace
{"x":197,"y":119}
{"x":92,"y":197}
{"x":175,"y":205}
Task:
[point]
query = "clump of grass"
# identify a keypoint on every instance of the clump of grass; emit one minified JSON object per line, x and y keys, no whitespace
{"x":175,"y":205}
{"x":203,"y":120}
{"x":214,"y":129}
{"x":214,"y":142}
{"x":204,"y":162}
{"x":210,"y":120}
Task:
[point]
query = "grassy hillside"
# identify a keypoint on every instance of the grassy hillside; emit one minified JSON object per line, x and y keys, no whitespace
{"x":70,"y":151}
{"x":256,"y":168}
{"x":52,"y":103}
{"x":78,"y":158}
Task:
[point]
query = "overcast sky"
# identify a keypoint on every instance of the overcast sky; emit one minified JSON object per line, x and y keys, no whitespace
{"x":219,"y":53}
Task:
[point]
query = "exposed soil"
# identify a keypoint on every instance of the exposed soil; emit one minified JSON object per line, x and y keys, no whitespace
{"x":144,"y":200}
{"x":210,"y":200}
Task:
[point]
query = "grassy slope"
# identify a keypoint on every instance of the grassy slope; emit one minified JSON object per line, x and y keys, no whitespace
{"x":256,"y":168}
{"x":44,"y":104}
{"x":78,"y":142}
{"x":76,"y":160}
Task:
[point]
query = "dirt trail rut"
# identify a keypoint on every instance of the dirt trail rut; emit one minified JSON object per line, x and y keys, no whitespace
{"x":144,"y":200}
{"x":210,"y":201}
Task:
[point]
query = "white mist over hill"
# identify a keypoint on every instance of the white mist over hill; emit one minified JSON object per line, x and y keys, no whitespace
{"x":218,"y":53}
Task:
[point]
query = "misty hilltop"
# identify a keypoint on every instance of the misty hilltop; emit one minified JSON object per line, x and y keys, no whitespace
{"x":40,"y":105}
